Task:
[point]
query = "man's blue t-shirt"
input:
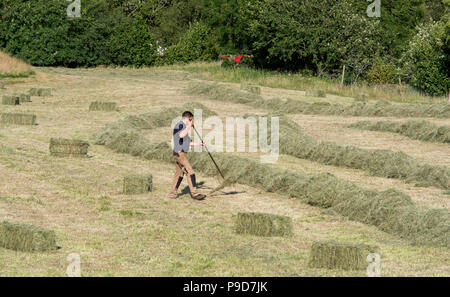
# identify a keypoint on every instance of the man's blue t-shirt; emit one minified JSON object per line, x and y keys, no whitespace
{"x":180,"y":144}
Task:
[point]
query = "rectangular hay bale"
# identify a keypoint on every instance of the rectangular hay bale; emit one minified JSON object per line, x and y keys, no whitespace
{"x":18,"y":118}
{"x":60,"y":147}
{"x":24,"y":97}
{"x":263,"y":224}
{"x":39,"y":91}
{"x":10,"y":100}
{"x":103,"y":106}
{"x":331,"y":254}
{"x":316,"y":93}
{"x":26,"y":238}
{"x":137,"y":184}
{"x":251,"y":88}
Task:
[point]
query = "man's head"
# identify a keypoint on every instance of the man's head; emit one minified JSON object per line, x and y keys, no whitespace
{"x":187,"y":117}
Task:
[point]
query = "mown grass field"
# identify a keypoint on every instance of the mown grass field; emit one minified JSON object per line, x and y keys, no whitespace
{"x":151,"y":235}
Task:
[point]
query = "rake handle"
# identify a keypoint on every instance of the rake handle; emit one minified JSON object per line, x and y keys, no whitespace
{"x":206,"y":148}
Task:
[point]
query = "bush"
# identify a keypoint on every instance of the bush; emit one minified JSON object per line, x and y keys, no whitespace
{"x":423,"y":63}
{"x":198,"y":43}
{"x":246,"y":62}
{"x":40,"y":32}
{"x":382,"y":72}
{"x":132,"y":44}
{"x":228,"y":63}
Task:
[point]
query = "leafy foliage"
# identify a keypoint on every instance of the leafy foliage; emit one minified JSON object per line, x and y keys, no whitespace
{"x":40,"y":32}
{"x":382,"y":72}
{"x":196,"y":44}
{"x":424,"y":61}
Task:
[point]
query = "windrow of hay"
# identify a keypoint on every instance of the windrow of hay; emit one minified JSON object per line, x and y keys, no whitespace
{"x":18,"y":118}
{"x":137,"y":184}
{"x":414,"y":129}
{"x":251,"y":88}
{"x":222,"y":93}
{"x":383,"y":163}
{"x":263,"y":224}
{"x":316,"y":93}
{"x":26,"y":238}
{"x":39,"y":91}
{"x":10,"y":100}
{"x":165,"y":117}
{"x":60,"y":147}
{"x":337,"y":255}
{"x":289,"y":106}
{"x":396,"y":213}
{"x":103,"y":106}
{"x":362,"y":97}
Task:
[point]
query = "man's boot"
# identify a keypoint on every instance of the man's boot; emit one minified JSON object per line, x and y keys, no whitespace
{"x":193,"y":187}
{"x":174,"y":193}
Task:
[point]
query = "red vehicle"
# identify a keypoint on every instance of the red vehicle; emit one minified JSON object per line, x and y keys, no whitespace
{"x":237,"y":59}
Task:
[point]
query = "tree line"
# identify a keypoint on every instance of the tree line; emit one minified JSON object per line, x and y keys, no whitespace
{"x":409,"y":41}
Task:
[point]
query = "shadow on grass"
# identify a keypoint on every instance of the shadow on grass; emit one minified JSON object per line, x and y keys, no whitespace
{"x":201,"y":185}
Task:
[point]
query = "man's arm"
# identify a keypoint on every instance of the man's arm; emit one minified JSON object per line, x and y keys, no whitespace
{"x":186,"y":130}
{"x":197,"y":144}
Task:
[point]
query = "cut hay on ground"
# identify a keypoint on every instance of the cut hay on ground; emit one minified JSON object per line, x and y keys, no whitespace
{"x":337,"y":255}
{"x":391,"y":211}
{"x":164,"y":118}
{"x":40,"y":91}
{"x":60,"y":147}
{"x":362,"y":97}
{"x":263,"y":224}
{"x":10,"y":100}
{"x":137,"y":184}
{"x":414,"y":129}
{"x":24,"y":97}
{"x":103,"y":106}
{"x":383,"y":163}
{"x":26,"y":238}
{"x":316,"y":93}
{"x":289,"y":106}
{"x":18,"y":118}
{"x":222,"y":93}
{"x":251,"y":88}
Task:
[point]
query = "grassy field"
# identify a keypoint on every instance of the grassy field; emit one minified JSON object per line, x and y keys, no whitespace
{"x":151,"y":235}
{"x":299,"y":82}
{"x":11,"y":67}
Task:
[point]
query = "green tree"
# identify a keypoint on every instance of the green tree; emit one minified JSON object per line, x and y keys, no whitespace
{"x":318,"y":34}
{"x":196,"y":44}
{"x":40,"y":32}
{"x":424,"y":62}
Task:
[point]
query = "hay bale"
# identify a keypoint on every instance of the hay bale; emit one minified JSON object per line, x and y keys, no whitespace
{"x":24,"y":97}
{"x":103,"y":106}
{"x":39,"y":91}
{"x":10,"y":100}
{"x":137,"y":184}
{"x":255,"y":89}
{"x":336,"y":255}
{"x":263,"y":224}
{"x":316,"y":93}
{"x":18,"y":118}
{"x":60,"y":147}
{"x":26,"y":238}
